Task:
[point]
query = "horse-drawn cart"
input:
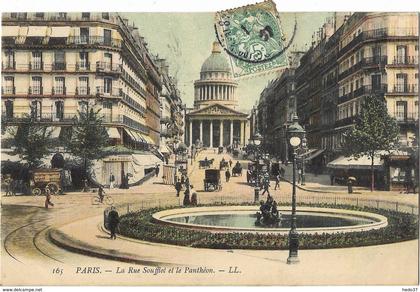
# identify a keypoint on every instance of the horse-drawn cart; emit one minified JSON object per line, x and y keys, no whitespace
{"x":237,"y":169}
{"x":212,"y":180}
{"x":46,"y":181}
{"x":206,"y":163}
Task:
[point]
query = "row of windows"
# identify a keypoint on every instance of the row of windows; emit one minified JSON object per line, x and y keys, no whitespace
{"x":55,"y":16}
{"x":36,"y":62}
{"x":401,"y":83}
{"x":59,"y":86}
{"x":403,"y":55}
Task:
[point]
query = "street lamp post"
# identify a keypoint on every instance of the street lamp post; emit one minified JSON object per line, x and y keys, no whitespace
{"x":256,"y":141}
{"x":294,"y":133}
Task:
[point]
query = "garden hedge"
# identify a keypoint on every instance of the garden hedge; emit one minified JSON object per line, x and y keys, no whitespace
{"x":139,"y":225}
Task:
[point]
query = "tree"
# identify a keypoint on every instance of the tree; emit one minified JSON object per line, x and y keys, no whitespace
{"x":89,"y":137}
{"x":375,"y":131}
{"x":31,"y":142}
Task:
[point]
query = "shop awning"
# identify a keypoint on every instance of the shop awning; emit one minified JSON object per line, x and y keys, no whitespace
{"x":60,"y":32}
{"x":113,"y":133}
{"x":37,"y":31}
{"x":363,"y":162}
{"x":314,"y":154}
{"x":148,"y":140}
{"x":146,"y":160}
{"x":164,"y":148}
{"x":139,"y":136}
{"x":132,"y":137}
{"x":10,"y":31}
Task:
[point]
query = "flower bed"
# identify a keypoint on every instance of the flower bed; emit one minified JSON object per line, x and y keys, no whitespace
{"x":139,"y":225}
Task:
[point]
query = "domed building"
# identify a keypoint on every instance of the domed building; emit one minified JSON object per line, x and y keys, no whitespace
{"x":215,"y":120}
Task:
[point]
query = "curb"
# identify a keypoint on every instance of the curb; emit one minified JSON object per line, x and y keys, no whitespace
{"x":66,"y":242}
{"x":305,"y":189}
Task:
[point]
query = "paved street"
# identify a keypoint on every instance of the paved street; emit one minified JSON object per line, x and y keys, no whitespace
{"x":26,"y":249}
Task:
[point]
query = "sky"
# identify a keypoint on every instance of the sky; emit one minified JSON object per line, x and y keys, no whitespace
{"x":185,"y":40}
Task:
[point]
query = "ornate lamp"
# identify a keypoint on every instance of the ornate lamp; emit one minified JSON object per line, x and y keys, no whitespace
{"x":295,"y":134}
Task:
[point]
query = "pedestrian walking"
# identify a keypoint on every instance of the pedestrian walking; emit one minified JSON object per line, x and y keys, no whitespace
{"x":299,"y":175}
{"x":186,"y":201}
{"x":182,"y":179}
{"x":111,"y":180}
{"x":194,"y":199}
{"x":350,"y":186}
{"x":332,"y":179}
{"x":266,"y":186}
{"x":48,"y":200}
{"x":227,"y":174}
{"x":101,"y":194}
{"x":157,"y":170}
{"x":230,"y":163}
{"x":113,"y":221}
{"x":8,"y":185}
{"x":277,"y":182}
{"x":13,"y":186}
{"x":178,"y":187}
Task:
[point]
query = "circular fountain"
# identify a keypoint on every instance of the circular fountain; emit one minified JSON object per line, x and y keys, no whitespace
{"x":310,"y":220}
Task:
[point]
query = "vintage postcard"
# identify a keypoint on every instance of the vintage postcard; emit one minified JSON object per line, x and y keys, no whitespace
{"x":240,"y":146}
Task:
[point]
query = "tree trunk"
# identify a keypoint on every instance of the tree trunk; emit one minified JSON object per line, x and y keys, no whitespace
{"x":85,"y":168}
{"x":372,"y":175}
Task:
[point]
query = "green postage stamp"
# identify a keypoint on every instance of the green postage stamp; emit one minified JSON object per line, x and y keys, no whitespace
{"x":253,"y":38}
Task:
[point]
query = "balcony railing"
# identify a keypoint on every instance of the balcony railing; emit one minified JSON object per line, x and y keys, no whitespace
{"x":36,"y":65}
{"x":134,"y":124}
{"x":405,"y":60}
{"x":378,"y":34}
{"x":58,"y":90}
{"x":366,"y":89}
{"x":133,"y":103}
{"x":8,"y":65}
{"x":406,"y":117}
{"x":109,"y":118}
{"x":37,"y":90}
{"x":130,"y":80}
{"x":40,"y":117}
{"x":102,"y":91}
{"x":8,"y":90}
{"x":345,"y":121}
{"x":405,"y":88}
{"x":83,"y":90}
{"x":368,"y":61}
{"x":94,"y":40}
{"x":82,"y":66}
{"x":108,"y":67}
{"x":58,"y":66}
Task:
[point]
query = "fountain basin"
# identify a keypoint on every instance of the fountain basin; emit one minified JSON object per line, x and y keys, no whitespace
{"x":310,"y":220}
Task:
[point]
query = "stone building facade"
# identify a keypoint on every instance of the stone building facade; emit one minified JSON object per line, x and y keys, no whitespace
{"x":353,"y":57}
{"x":56,"y":64}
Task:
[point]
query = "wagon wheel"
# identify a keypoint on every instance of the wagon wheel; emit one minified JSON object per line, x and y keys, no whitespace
{"x":53,"y":188}
{"x":36,"y":192}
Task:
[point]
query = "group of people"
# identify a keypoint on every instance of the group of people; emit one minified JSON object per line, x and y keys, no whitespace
{"x":9,"y":185}
{"x":180,"y":183}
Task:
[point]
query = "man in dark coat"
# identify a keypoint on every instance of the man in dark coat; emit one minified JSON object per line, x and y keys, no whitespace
{"x":227,"y":174}
{"x":113,"y":221}
{"x":178,"y":187}
{"x":157,"y":170}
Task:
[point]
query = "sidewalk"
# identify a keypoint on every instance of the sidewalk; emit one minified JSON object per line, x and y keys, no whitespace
{"x":357,"y":266}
